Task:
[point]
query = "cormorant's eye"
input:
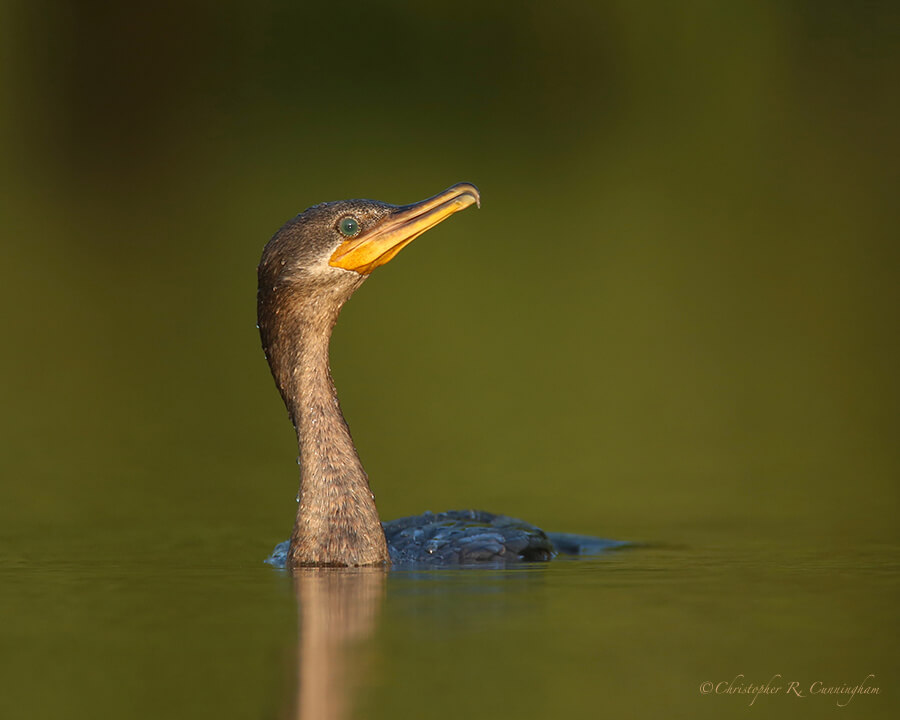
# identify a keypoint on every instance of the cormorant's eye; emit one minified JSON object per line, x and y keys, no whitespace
{"x":349,"y":226}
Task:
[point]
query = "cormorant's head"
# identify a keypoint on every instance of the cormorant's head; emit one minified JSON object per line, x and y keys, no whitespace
{"x":335,"y":245}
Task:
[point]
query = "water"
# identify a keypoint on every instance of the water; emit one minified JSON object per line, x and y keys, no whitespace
{"x":673,"y":321}
{"x":630,"y":633}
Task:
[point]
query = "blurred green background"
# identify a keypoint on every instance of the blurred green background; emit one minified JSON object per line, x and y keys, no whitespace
{"x":674,"y":319}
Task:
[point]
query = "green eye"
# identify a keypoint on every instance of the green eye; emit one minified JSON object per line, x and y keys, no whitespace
{"x":348,"y":226}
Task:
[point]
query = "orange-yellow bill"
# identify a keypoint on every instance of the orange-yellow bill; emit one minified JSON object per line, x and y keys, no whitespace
{"x":366,"y":252}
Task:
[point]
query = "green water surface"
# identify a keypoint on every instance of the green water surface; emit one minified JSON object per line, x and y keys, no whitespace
{"x":673,"y":321}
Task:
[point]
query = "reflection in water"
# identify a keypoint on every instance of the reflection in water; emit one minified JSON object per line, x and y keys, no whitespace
{"x":336,"y":613}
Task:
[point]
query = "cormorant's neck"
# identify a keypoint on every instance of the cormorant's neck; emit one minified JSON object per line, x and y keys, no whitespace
{"x":337,"y":522}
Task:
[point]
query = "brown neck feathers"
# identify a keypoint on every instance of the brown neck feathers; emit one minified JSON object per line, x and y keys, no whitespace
{"x":337,"y":521}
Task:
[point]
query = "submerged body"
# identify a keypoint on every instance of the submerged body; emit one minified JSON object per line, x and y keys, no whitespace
{"x":471,"y":537}
{"x":308,"y":270}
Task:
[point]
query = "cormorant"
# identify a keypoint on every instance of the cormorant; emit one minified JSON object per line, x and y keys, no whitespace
{"x":309,"y":269}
